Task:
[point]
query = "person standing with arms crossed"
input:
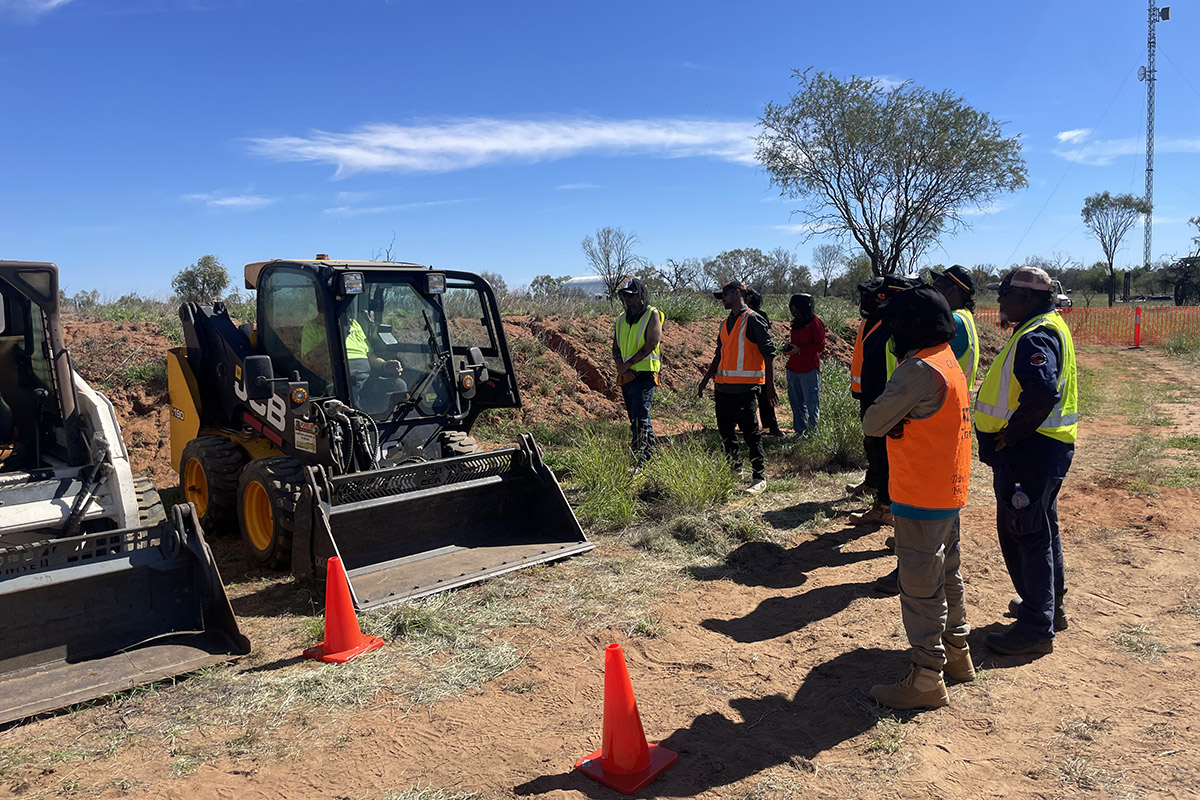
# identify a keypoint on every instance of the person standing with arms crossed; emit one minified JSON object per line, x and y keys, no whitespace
{"x":638,"y":360}
{"x":924,"y":411}
{"x":743,"y":366}
{"x":1026,"y":418}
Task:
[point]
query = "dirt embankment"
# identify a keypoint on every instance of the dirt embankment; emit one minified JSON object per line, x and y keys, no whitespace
{"x":564,"y":369}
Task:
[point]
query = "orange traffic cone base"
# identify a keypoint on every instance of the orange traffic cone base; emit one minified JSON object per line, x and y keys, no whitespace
{"x":368,"y":643}
{"x":661,"y":759}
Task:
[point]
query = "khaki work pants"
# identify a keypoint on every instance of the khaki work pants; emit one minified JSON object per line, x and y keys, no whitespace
{"x":931,"y":587}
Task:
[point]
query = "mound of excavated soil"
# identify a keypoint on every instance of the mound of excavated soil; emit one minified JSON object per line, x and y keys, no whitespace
{"x":564,"y":368}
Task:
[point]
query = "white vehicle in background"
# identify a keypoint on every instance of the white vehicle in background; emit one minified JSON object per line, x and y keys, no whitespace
{"x":1061,"y":300}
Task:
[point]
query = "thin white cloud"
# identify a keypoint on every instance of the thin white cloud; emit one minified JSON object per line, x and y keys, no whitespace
{"x":887,"y":82}
{"x":993,"y":208}
{"x":568,"y":187}
{"x":465,"y":143}
{"x":237,"y":202}
{"x":358,"y":211}
{"x":30,"y":8}
{"x":1102,"y":153}
{"x":805,"y":227}
{"x":1077,"y":136}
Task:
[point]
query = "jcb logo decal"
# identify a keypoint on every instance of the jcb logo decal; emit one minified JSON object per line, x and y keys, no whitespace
{"x":274,"y":410}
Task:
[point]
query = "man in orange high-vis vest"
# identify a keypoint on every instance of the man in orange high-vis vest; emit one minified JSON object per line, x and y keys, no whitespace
{"x":924,"y":411}
{"x":743,"y":367}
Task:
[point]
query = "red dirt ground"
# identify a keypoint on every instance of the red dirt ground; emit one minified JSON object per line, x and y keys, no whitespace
{"x":758,"y":680}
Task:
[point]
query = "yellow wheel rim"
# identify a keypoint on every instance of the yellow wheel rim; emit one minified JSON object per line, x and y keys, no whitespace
{"x":259,"y":517}
{"x":195,"y":486}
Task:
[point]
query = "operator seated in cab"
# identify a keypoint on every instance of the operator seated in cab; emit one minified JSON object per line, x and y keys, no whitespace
{"x":373,"y":380}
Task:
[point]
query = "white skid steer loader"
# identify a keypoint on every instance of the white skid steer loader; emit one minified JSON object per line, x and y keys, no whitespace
{"x":100,"y":591}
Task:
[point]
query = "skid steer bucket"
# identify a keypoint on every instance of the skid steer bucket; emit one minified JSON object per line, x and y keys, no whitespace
{"x":409,"y":531}
{"x":89,"y":615}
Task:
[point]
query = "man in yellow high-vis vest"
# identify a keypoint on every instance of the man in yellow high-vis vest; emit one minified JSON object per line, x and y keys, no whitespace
{"x":1026,"y":418}
{"x":637,"y":358}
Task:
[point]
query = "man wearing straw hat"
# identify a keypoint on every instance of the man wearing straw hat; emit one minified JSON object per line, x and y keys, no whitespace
{"x":1026,"y":417}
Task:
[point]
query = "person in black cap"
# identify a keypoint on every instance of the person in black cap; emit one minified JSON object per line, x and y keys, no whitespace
{"x":957,"y":285}
{"x":923,"y":417}
{"x":638,"y":360}
{"x":743,"y":367}
{"x":766,"y":411}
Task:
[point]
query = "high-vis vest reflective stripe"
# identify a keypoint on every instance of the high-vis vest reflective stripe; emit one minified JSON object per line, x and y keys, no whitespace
{"x":741,"y":360}
{"x":632,"y":337}
{"x":969,"y":361}
{"x":999,"y":394}
{"x":930,"y":465}
{"x":857,"y":359}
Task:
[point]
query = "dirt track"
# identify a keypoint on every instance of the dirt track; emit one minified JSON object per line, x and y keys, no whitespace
{"x":758,"y":678}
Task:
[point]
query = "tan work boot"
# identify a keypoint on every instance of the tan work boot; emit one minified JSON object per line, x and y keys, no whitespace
{"x":877,"y":514}
{"x":920,"y":688}
{"x":959,"y":666}
{"x":855,"y":490}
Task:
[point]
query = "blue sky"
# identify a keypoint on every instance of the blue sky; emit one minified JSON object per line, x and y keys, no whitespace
{"x":139,"y":135}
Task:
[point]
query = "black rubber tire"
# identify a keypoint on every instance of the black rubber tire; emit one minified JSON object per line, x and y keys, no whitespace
{"x":150,"y":505}
{"x":221,"y":461}
{"x":458,"y":443}
{"x":282,"y":479}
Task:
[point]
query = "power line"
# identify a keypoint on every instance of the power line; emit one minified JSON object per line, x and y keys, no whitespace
{"x":1078,"y":153}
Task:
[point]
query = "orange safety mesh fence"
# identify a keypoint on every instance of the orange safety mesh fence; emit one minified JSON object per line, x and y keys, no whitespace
{"x":1114,"y":326}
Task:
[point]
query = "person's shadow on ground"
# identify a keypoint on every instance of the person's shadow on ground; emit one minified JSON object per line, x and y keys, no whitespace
{"x":830,"y":707}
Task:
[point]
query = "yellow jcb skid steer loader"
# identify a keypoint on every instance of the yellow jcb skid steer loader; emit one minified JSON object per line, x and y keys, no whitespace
{"x":340,"y":425}
{"x":99,"y":590}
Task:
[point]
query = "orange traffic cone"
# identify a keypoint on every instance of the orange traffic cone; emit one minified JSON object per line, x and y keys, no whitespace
{"x":624,"y":761}
{"x":343,"y":638}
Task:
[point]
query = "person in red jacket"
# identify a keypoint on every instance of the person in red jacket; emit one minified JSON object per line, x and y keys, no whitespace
{"x":804,"y":351}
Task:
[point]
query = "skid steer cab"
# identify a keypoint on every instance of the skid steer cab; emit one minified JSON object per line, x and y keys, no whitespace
{"x":339,"y":424}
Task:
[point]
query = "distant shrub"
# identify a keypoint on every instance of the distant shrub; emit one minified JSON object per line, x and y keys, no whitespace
{"x":1184,"y":345}
{"x":686,"y":307}
{"x":202,"y":282}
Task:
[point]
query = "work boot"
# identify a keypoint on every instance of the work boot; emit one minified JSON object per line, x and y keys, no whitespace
{"x":958,"y":662}
{"x":890,"y":543}
{"x":860,"y":489}
{"x":757,"y":484}
{"x":920,"y":688}
{"x":1060,"y":614}
{"x":1013,"y":642}
{"x":888,"y":584}
{"x":878,"y":514}
{"x":773,"y":432}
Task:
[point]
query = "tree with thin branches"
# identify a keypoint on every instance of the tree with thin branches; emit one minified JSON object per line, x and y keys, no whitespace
{"x":828,"y":259}
{"x":1108,"y":218}
{"x":610,"y":256}
{"x":893,"y":169}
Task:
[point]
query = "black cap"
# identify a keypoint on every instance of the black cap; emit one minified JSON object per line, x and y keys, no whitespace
{"x":633,"y":286}
{"x":960,"y":275}
{"x":741,"y":287}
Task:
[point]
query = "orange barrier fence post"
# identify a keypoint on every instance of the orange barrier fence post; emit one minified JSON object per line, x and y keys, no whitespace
{"x":624,"y":762}
{"x":1137,"y":329}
